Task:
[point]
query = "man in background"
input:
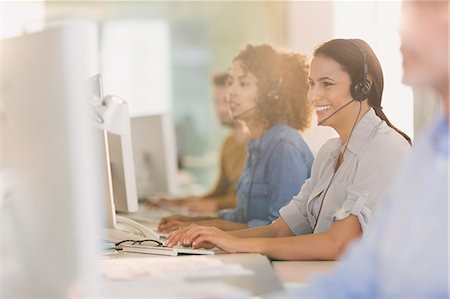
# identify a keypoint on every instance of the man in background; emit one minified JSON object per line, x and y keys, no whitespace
{"x":406,"y":252}
{"x":232,"y":158}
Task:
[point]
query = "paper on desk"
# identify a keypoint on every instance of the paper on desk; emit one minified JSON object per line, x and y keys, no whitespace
{"x":160,"y":267}
{"x":169,"y":288}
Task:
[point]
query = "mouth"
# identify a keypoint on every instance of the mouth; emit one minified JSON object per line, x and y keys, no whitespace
{"x":322,"y":108}
{"x":233,"y":105}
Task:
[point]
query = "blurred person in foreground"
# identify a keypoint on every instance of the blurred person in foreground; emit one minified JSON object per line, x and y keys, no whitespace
{"x":406,"y":253}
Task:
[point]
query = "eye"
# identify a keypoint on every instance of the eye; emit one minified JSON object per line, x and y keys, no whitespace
{"x":327,"y":84}
{"x":243,"y":83}
{"x":310,"y":83}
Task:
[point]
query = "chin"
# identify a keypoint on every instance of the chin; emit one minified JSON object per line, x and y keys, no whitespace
{"x":411,"y":79}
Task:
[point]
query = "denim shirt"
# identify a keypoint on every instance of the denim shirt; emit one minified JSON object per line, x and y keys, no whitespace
{"x":277,"y":165}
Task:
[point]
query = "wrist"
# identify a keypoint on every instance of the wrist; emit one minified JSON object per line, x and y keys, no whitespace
{"x":252,"y":245}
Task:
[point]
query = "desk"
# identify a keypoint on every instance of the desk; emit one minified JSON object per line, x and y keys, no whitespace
{"x":263,"y":280}
{"x":301,"y":272}
{"x":267,"y":277}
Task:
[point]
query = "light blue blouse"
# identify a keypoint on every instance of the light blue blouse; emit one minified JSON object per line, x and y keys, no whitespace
{"x":277,"y":165}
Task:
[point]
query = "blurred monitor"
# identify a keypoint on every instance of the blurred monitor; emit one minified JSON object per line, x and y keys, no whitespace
{"x":112,"y":116}
{"x":50,"y":176}
{"x":155,"y":154}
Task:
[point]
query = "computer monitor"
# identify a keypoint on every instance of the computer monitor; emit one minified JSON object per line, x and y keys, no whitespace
{"x":49,"y":175}
{"x":155,"y":154}
{"x":113,"y":119}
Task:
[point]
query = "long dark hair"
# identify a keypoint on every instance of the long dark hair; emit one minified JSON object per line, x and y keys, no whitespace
{"x":348,"y":54}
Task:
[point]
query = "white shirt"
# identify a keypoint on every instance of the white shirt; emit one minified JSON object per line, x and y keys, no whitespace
{"x":405,"y":253}
{"x":373,"y":157}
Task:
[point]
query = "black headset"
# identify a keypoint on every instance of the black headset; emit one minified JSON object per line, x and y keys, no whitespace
{"x":273,"y":94}
{"x":361,"y":87}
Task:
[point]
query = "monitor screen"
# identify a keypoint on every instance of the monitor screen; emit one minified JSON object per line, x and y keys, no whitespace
{"x":155,"y":154}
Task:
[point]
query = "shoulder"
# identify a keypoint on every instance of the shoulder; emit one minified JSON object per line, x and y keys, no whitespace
{"x":386,"y":141}
{"x":286,"y":136}
{"x":327,"y":148}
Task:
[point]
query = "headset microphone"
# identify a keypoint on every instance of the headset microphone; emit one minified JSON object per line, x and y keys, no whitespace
{"x":329,"y":116}
{"x":239,"y":115}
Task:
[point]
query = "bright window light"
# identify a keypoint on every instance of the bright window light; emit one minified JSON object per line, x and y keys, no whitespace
{"x":135,"y":63}
{"x":20,"y":16}
{"x":376,"y":23}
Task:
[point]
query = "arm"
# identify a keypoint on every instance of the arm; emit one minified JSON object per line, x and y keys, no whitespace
{"x":227,"y":241}
{"x":324,"y":246}
{"x":211,"y":204}
{"x":278,"y":228}
{"x":170,"y":223}
{"x":222,"y":224}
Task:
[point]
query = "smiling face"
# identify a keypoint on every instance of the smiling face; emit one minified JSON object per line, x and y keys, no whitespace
{"x":329,"y":90}
{"x":242,"y":92}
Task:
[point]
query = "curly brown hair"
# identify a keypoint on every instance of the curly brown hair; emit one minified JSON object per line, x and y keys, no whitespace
{"x":282,"y":85}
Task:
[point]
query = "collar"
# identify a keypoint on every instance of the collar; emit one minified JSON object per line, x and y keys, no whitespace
{"x":364,"y":130}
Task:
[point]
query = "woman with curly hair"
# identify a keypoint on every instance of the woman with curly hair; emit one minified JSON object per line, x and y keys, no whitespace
{"x":267,"y":90}
{"x":350,"y":175}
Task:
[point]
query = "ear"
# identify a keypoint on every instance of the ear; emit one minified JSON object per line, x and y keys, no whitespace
{"x":369,"y":79}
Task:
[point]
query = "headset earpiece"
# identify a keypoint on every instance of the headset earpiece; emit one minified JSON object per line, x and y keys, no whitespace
{"x":361,"y":88}
{"x":273,"y":94}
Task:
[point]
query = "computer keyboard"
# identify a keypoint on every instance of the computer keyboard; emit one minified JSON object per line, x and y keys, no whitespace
{"x":173,"y":251}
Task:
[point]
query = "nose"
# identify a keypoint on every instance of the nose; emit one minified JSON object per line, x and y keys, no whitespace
{"x":231,"y":91}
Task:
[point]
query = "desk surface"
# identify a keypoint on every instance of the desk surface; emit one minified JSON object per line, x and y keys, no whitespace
{"x":301,"y":271}
{"x":262,"y":281}
{"x":268,"y":278}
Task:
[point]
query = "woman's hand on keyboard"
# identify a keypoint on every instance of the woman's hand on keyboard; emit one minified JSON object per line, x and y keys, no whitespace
{"x":171,"y":223}
{"x":204,"y":237}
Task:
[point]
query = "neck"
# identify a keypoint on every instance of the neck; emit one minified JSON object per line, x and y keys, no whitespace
{"x":240,"y":133}
{"x":256,"y":129}
{"x":345,"y":129}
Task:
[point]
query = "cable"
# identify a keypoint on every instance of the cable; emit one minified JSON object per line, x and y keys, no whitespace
{"x":335,"y":170}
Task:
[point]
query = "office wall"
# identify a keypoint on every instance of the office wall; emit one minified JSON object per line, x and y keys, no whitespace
{"x":305,"y":31}
{"x":204,"y":37}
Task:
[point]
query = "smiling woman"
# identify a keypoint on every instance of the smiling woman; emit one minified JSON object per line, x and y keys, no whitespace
{"x":350,"y":175}
{"x":267,"y":91}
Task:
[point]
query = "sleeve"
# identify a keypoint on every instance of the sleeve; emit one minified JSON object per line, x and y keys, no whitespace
{"x":376,"y":170}
{"x":288,"y":168}
{"x":234,"y":215}
{"x":357,"y":274}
